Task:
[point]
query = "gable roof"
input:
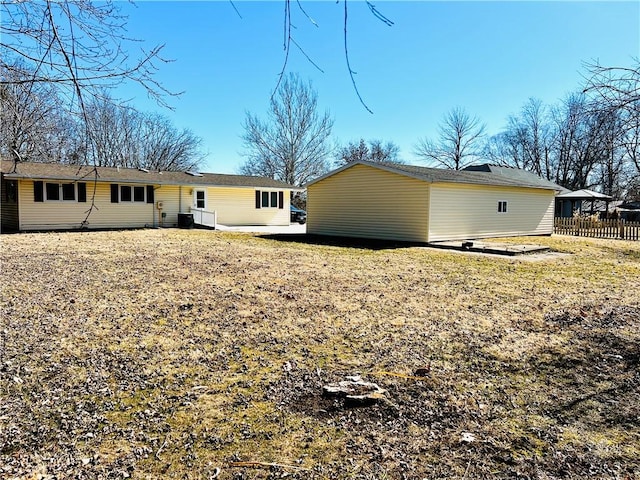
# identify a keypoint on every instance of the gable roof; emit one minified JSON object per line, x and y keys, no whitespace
{"x":56,"y":171}
{"x":585,"y":194}
{"x":440,"y":175}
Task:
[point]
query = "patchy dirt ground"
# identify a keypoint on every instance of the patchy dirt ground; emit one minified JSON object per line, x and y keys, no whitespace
{"x":196,"y":354}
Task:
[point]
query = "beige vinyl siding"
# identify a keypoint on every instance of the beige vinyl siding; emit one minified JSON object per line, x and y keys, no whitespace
{"x":367,"y":202}
{"x":173,"y":202}
{"x":461,"y":211}
{"x":237,"y":206}
{"x":70,"y":214}
{"x":234,"y":206}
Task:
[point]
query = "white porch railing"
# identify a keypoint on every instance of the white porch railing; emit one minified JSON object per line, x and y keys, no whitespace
{"x":204,"y":217}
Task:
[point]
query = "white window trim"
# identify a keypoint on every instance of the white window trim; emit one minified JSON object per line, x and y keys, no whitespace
{"x":60,"y":195}
{"x":195,"y":198}
{"x":270,"y":192}
{"x":120,"y":200}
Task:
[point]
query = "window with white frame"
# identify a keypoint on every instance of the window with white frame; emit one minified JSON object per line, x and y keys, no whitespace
{"x":60,"y":191}
{"x":269,"y":199}
{"x":502,"y":206}
{"x":129,"y":193}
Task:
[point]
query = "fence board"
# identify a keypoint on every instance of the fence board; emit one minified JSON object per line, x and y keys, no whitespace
{"x":587,"y":227}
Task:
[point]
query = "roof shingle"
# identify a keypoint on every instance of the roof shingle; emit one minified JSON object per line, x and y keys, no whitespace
{"x":56,"y":171}
{"x":440,"y":175}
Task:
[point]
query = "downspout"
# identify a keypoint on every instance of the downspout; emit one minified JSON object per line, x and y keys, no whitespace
{"x":18,"y":201}
{"x":430,"y":189}
{"x":180,"y":199}
{"x":153,"y":206}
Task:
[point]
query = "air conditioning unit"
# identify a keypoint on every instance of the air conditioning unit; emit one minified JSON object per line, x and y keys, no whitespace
{"x":159,"y":205}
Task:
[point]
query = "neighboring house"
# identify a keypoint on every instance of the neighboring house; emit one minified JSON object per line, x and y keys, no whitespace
{"x":419,"y":204}
{"x":570,"y":203}
{"x":47,"y":196}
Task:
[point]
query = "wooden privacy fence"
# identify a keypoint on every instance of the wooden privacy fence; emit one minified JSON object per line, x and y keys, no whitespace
{"x":587,"y":227}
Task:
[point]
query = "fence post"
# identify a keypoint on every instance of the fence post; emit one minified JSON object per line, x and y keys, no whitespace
{"x":621,"y":228}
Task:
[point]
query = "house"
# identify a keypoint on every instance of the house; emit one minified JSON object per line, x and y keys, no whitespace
{"x":48,"y":196}
{"x":420,"y":204}
{"x":569,"y":203}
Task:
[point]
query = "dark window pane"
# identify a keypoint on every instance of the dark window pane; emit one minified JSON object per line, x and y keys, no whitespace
{"x":125,"y":193}
{"x":265,"y":199}
{"x":114,"y":193}
{"x":68,"y":191}
{"x":53,"y":191}
{"x":138,"y":194}
{"x":281,"y":199}
{"x":274,"y":199}
{"x":200,"y":199}
{"x":257,"y":198}
{"x":149,"y":193}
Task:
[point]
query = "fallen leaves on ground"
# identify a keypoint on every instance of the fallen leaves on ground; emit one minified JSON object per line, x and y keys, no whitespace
{"x":197,"y":354}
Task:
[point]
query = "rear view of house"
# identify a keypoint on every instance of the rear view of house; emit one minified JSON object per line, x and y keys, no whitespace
{"x":419,"y":204}
{"x":41,"y":196}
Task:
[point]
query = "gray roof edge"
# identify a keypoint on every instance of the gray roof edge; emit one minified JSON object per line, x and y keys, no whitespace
{"x":381,"y":166}
{"x":425,"y":177}
{"x":260,"y":182}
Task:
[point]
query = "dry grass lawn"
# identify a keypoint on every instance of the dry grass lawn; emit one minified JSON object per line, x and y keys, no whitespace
{"x":198,"y":354}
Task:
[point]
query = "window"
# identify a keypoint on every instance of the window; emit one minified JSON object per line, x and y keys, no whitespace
{"x":68,"y":191}
{"x":54,"y":192}
{"x":269,"y":199}
{"x":502,"y":207}
{"x":125,"y":193}
{"x":200,"y":199}
{"x":130,"y":193}
{"x":138,"y":194}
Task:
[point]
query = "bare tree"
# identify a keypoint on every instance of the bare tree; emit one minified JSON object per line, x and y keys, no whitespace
{"x":33,"y":124}
{"x":74,"y":45}
{"x":631,"y":138}
{"x":289,"y":39}
{"x":615,"y":87}
{"x":502,"y":149}
{"x":459,"y":141}
{"x":372,"y":151}
{"x":123,"y":136}
{"x":526,"y":141}
{"x":292,"y":144}
{"x":165,"y":147}
{"x":589,"y":140}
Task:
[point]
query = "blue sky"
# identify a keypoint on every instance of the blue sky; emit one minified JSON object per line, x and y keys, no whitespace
{"x":487,"y":57}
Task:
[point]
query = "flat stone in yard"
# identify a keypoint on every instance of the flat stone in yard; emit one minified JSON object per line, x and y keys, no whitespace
{"x":355,"y":391}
